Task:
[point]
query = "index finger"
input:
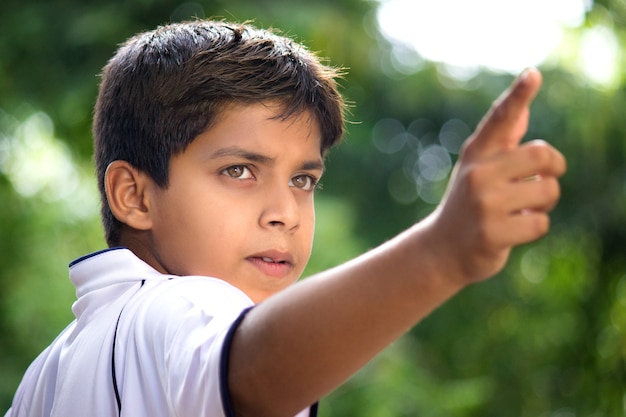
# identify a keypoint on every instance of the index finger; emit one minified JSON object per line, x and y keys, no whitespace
{"x":506,"y":122}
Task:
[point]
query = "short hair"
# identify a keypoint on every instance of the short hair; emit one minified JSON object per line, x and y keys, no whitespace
{"x":164,"y":87}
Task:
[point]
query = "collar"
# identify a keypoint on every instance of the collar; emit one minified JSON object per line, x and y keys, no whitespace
{"x":103,"y":276}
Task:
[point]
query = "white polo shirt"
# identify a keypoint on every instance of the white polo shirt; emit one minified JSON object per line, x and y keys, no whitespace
{"x":160,"y":341}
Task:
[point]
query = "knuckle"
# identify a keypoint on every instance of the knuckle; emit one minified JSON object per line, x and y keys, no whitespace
{"x":552,"y":194}
{"x":539,"y":154}
{"x":475,"y":176}
{"x":486,"y":203}
{"x":551,"y":190}
{"x":540,"y":224}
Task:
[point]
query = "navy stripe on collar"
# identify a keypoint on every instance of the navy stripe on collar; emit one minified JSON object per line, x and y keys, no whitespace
{"x":90,"y":255}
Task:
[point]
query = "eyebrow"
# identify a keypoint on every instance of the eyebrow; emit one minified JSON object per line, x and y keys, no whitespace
{"x":236,"y":151}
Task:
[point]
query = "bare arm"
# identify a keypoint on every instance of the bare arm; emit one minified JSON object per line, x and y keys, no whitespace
{"x":302,"y":343}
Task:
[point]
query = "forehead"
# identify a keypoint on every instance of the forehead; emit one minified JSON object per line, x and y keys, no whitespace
{"x":256,"y":126}
{"x":274,"y":110}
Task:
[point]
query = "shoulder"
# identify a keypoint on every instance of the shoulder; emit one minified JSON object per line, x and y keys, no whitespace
{"x":211,"y":295}
{"x":176,"y":331}
{"x":188,"y":303}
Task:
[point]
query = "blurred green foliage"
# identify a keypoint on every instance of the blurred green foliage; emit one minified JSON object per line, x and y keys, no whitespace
{"x":545,"y":338}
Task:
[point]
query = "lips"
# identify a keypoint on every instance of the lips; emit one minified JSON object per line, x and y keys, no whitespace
{"x":266,"y":259}
{"x":272,"y":263}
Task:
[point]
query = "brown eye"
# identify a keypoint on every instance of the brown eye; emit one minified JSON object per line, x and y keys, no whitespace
{"x":303,"y":182}
{"x":238,"y":171}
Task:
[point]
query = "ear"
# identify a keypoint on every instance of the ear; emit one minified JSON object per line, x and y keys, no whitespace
{"x":126,"y":190}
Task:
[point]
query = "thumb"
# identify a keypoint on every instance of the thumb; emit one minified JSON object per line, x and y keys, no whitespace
{"x":506,"y":122}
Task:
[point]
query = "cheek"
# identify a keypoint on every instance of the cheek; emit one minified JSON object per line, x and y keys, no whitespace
{"x":307,"y":225}
{"x":182,"y":226}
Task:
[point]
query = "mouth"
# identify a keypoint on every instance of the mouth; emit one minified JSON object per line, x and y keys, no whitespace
{"x":270,"y":260}
{"x":277,"y":265}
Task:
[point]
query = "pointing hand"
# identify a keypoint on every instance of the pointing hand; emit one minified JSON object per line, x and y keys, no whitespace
{"x":501,"y":191}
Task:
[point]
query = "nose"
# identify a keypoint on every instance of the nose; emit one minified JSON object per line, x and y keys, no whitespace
{"x":280,"y":209}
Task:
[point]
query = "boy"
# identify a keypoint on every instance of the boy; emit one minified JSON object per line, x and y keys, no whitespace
{"x":209,"y":141}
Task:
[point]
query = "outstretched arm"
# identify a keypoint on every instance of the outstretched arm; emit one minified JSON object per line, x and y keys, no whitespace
{"x":302,"y":343}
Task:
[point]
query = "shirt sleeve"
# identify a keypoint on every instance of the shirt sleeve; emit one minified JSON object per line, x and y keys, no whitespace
{"x":188,"y":326}
{"x":225,"y":392}
{"x":197,"y":322}
{"x":226,"y":399}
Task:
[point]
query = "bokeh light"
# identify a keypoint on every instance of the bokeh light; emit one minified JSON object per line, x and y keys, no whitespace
{"x":500,"y":35}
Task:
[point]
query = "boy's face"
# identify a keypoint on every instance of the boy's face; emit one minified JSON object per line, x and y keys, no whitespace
{"x":239,"y":204}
